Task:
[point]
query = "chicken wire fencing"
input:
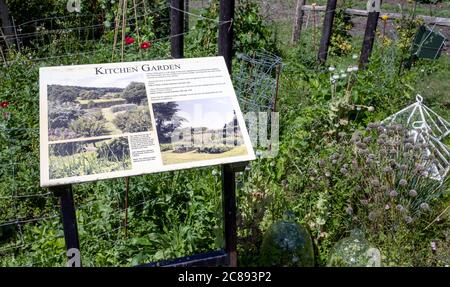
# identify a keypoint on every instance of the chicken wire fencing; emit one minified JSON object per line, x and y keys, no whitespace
{"x":257,"y":81}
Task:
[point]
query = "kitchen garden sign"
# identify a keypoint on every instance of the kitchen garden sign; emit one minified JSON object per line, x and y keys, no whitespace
{"x":121,"y":119}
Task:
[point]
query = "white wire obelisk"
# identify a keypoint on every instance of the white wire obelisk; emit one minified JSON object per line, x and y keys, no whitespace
{"x":428,"y":127}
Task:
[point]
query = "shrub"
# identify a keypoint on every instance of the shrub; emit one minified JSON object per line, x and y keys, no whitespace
{"x":61,"y":115}
{"x":133,"y":121}
{"x":214,"y":149}
{"x":135,"y":93}
{"x":88,"y":126}
{"x":116,"y":150}
{"x":124,"y":107}
{"x":183,"y":149}
{"x":65,"y":149}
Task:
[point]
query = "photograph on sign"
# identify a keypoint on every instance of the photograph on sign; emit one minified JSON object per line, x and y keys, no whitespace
{"x":120,"y":119}
{"x":184,"y":137}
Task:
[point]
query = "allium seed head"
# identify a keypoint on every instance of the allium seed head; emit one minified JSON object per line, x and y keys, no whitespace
{"x":400,"y":208}
{"x":393,"y":193}
{"x":408,"y":219}
{"x":424,"y":206}
{"x":412,"y":193}
{"x":375,"y":182}
{"x":402,"y":182}
{"x":349,"y":210}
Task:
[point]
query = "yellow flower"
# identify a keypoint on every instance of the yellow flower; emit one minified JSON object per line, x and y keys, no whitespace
{"x":384,"y":18}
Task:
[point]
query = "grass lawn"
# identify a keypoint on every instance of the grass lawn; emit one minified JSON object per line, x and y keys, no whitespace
{"x":169,"y":157}
{"x":109,"y":117}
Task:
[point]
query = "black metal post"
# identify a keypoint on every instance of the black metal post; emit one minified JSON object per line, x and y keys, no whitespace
{"x":229,"y":212}
{"x":327,"y":30}
{"x":176,"y":28}
{"x":186,"y":15}
{"x":226,"y":31}
{"x":69,"y":220}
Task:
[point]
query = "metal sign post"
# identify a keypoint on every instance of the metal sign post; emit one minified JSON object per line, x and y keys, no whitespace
{"x":69,"y":221}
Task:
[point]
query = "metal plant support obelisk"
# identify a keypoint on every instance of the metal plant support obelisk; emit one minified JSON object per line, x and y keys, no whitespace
{"x":429,"y":128}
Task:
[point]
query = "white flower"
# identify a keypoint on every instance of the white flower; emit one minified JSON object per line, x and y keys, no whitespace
{"x":343,"y":75}
{"x":355,"y":68}
{"x":331,"y":69}
{"x":335,"y":77}
{"x":349,"y":69}
{"x":355,"y":56}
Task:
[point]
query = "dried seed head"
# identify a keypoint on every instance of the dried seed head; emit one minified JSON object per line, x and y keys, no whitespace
{"x":375,"y":182}
{"x":400,"y":208}
{"x":393,"y":193}
{"x":322,"y":163}
{"x":408,"y":219}
{"x":367,"y":139}
{"x":387,"y":169}
{"x":412,"y":193}
{"x":408,"y":146}
{"x":372,"y":216}
{"x":424,"y":206}
{"x":403,"y":167}
{"x":349,"y":210}
{"x":402,"y":182}
{"x":344,"y":171}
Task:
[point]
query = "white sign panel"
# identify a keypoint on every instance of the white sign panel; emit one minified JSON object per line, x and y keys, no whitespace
{"x":112,"y":120}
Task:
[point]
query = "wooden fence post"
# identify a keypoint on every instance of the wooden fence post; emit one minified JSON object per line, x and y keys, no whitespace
{"x":369,"y":35}
{"x":298,"y":21}
{"x":176,"y":28}
{"x":327,"y":30}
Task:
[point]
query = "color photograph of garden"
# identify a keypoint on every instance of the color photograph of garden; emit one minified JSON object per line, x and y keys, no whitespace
{"x":185,"y":136}
{"x":359,"y":176}
{"x":84,"y":112}
{"x":89,"y":157}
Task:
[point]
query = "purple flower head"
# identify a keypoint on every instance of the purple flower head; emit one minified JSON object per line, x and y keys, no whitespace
{"x":403,"y":167}
{"x":408,"y":219}
{"x":400,"y":208}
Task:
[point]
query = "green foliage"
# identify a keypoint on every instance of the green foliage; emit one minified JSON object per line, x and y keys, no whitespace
{"x":340,"y":42}
{"x":133,"y":121}
{"x":116,"y":150}
{"x":61,"y":115}
{"x":65,"y":149}
{"x":135,"y":93}
{"x":251,"y":31}
{"x":89,"y":126}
